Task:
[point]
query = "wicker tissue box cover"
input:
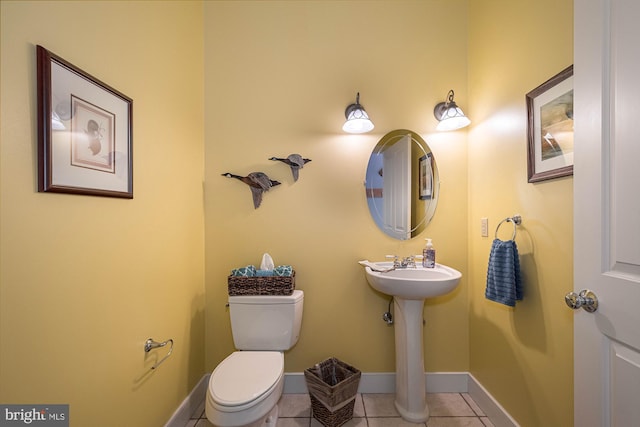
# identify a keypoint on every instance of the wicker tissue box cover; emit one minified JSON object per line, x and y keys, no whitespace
{"x":263,"y":285}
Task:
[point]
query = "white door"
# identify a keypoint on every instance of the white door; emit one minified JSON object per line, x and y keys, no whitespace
{"x":396,"y":188}
{"x":607,"y":211}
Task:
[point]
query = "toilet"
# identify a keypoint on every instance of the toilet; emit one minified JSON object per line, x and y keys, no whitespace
{"x":244,"y":388}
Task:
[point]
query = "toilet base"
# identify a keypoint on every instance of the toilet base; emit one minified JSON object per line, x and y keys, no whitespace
{"x":272,"y":418}
{"x":269,"y":420}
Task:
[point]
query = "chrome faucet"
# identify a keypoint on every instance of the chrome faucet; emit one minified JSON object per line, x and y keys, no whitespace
{"x":406,"y":262}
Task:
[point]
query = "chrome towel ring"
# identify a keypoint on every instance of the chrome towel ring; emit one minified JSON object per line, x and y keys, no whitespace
{"x":150,"y":344}
{"x":516,"y":220}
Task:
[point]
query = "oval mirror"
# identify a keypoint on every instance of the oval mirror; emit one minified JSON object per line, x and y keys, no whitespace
{"x":402,"y":184}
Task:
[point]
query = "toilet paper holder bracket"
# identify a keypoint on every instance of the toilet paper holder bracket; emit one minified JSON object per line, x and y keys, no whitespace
{"x":150,"y":344}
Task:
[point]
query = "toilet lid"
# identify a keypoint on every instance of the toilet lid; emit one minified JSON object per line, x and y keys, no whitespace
{"x":245,"y":375}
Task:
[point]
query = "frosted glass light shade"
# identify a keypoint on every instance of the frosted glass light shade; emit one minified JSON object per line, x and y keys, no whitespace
{"x":453,"y":119}
{"x":449,"y":115}
{"x":357,"y":122}
{"x":357,"y":119}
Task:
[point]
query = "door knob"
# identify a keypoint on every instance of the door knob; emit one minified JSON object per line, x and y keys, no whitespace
{"x":585,"y":299}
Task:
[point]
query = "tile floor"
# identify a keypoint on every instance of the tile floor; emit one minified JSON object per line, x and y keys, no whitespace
{"x":377,"y":410}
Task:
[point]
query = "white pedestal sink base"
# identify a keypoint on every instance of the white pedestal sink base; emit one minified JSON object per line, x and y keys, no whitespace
{"x":410,"y":287}
{"x":411,"y":391}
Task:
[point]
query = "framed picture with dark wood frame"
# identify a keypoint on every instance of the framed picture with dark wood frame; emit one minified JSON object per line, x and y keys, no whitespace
{"x":425,"y":176}
{"x":84,"y":132}
{"x":550,"y":128}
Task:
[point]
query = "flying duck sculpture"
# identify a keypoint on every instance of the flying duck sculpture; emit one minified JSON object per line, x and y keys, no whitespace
{"x":295,"y":162}
{"x":258,"y":182}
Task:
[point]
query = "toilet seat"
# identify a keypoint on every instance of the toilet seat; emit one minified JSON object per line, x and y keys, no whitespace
{"x":245,"y":378}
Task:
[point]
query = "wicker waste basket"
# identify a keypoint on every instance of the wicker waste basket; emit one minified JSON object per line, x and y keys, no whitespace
{"x":333,"y":386}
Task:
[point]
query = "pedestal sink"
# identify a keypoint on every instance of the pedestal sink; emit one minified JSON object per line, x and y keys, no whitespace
{"x":410,"y":287}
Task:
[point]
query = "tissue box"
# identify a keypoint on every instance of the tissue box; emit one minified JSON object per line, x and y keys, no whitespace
{"x":267,"y":285}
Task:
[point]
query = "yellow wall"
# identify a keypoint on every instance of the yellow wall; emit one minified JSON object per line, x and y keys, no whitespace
{"x":523,"y":356}
{"x":279,"y":76}
{"x":84,"y":281}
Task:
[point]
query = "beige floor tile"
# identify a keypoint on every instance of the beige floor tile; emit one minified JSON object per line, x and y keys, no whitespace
{"x":358,"y":408}
{"x":446,"y":410}
{"x":379,"y":405}
{"x":293,"y":422}
{"x":294,"y":406}
{"x":473,"y":404}
{"x":454,"y":422}
{"x":448,"y":405}
{"x":391,"y":422}
{"x":354,"y":422}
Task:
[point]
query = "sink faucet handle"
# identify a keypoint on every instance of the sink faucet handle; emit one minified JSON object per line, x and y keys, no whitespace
{"x":409,"y":261}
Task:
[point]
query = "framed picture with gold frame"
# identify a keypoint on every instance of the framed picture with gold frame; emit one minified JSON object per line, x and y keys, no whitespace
{"x":550,"y":128}
{"x":84,"y":132}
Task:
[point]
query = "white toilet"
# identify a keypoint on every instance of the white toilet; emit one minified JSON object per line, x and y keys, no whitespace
{"x":244,"y":388}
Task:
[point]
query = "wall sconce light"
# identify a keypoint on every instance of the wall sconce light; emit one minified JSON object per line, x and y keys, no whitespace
{"x":357,"y":119}
{"x":450,"y":115}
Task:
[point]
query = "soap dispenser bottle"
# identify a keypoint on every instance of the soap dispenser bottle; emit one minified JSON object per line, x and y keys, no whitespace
{"x":429,"y":255}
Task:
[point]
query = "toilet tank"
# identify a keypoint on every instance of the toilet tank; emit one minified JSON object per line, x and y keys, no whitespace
{"x":266,"y":322}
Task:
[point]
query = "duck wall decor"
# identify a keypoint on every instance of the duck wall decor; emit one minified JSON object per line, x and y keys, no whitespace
{"x":295,"y":162}
{"x":258,"y":182}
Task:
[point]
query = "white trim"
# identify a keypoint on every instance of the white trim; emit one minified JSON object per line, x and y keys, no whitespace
{"x":447,"y":382}
{"x":385,"y":382}
{"x":375,"y":382}
{"x":192,"y":403}
{"x":490,"y":406}
{"x":294,"y":383}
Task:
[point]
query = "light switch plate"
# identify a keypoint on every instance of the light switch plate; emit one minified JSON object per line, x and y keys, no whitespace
{"x":484,"y":227}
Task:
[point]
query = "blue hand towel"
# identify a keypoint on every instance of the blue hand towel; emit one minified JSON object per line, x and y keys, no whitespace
{"x":248,"y":271}
{"x":504,"y":284}
{"x":283,"y":270}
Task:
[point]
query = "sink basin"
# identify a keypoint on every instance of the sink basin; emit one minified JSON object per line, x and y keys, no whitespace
{"x":413,"y":283}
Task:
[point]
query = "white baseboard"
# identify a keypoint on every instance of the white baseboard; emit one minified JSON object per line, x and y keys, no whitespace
{"x":190,"y":404}
{"x":490,"y":406}
{"x":385,"y":382}
{"x":447,"y":382}
{"x":294,"y":383}
{"x":437,"y":382}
